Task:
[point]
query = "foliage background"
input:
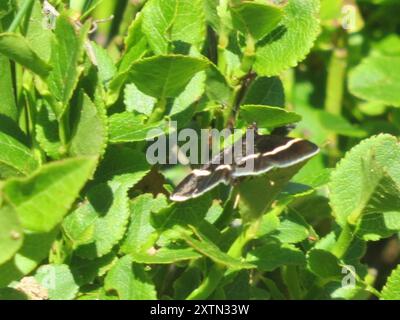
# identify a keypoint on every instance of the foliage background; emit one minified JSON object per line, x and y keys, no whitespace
{"x":84,"y":216}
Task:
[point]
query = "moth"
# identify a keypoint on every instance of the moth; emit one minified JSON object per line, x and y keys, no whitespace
{"x":272,"y":151}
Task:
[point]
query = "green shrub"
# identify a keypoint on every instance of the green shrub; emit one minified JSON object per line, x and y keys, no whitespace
{"x":83,"y":215}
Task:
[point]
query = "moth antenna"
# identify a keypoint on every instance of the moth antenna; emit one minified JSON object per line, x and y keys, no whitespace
{"x":95,"y":23}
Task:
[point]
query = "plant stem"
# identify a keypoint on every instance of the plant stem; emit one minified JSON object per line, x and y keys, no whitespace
{"x":237,"y":247}
{"x":249,"y":55}
{"x":373,"y":291}
{"x":248,"y":234}
{"x":131,"y":10}
{"x":223,"y":40}
{"x":231,"y":113}
{"x":20,"y":15}
{"x":291,"y":277}
{"x":273,"y":289}
{"x":63,"y":127}
{"x":288,"y":80}
{"x":30,"y":115}
{"x":88,"y":5}
{"x":335,"y":90}
{"x":159,"y":111}
{"x":209,"y":284}
{"x":228,"y":211}
{"x":336,"y":80}
{"x":344,"y":241}
{"x":214,"y":277}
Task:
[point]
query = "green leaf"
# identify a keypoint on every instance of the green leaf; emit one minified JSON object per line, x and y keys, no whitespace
{"x":256,"y":19}
{"x":100,"y":222}
{"x":189,"y":22}
{"x":165,"y":21}
{"x":311,"y":124}
{"x":58,"y":280}
{"x":211,"y":12}
{"x":192,"y":94}
{"x":327,"y":243}
{"x":294,"y":191}
{"x":135,"y":34}
{"x":34,"y":250}
{"x":239,"y":288}
{"x":271,"y":256}
{"x":90,"y":134}
{"x":268,"y":117}
{"x":388,"y":45}
{"x":11,"y":234}
{"x":39,"y":36}
{"x":135,"y":100}
{"x":47,"y":131}
{"x":313,"y":175}
{"x":16,"y":48}
{"x":324,"y":264}
{"x":165,"y":255}
{"x":128,"y":127}
{"x":391,"y":290}
{"x":269,"y":223}
{"x":367,"y":172}
{"x":5,"y":8}
{"x":134,"y":54}
{"x":87,"y":271}
{"x":355,"y":251}
{"x":8,"y":107}
{"x":43,"y":199}
{"x":210,"y":250}
{"x":214,"y":212}
{"x":158,"y":17}
{"x":331,"y":9}
{"x":105,"y":64}
{"x":122,"y":164}
{"x":66,"y":52}
{"x":376,"y":226}
{"x":165,"y":76}
{"x":340,"y":125}
{"x":188,"y":281}
{"x":258,"y":194}
{"x":130,"y":281}
{"x":217,"y":86}
{"x":291,"y":41}
{"x":97,"y":225}
{"x":338,"y":292}
{"x":15,"y":158}
{"x":377,"y":79}
{"x":372,"y":108}
{"x":119,"y":80}
{"x":292,"y":229}
{"x":191,"y":212}
{"x":12,"y":294}
{"x":139,"y":235}
{"x":266,"y":91}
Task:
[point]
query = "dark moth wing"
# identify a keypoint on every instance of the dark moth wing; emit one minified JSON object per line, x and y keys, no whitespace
{"x":270,"y":151}
{"x":274,"y":151}
{"x":202,"y":180}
